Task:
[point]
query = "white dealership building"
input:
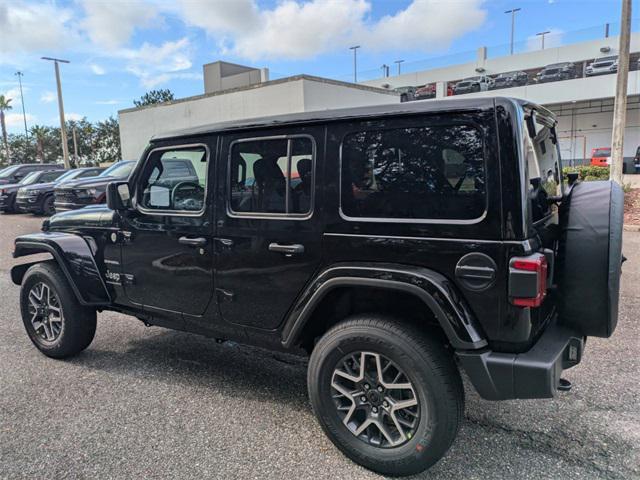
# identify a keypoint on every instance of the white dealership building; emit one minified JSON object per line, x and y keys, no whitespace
{"x":584,"y":105}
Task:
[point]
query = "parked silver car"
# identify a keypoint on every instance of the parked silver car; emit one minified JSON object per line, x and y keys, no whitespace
{"x":602,"y":66}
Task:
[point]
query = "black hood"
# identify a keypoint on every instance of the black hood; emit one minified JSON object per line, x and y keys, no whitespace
{"x":89,"y":216}
{"x":40,"y":186}
{"x":89,"y":182}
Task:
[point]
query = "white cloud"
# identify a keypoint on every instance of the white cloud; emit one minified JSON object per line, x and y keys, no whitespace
{"x":551,"y":40}
{"x":155,"y":65}
{"x":97,"y":69}
{"x":48,"y":97}
{"x":17,"y":120}
{"x":110,"y":24}
{"x":14,"y":94}
{"x":73,"y":116}
{"x":29,"y":27}
{"x":295,"y":30}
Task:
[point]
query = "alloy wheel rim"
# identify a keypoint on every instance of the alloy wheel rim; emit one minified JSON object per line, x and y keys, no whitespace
{"x":375,"y":399}
{"x":46,"y":312}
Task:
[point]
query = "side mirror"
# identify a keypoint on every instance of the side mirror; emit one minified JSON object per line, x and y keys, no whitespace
{"x":118,"y":196}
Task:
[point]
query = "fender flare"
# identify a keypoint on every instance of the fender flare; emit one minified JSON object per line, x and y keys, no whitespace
{"x":73,"y":255}
{"x":437,"y":292}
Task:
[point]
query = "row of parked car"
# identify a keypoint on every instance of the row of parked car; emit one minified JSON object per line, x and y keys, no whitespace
{"x":551,"y":73}
{"x":48,"y":188}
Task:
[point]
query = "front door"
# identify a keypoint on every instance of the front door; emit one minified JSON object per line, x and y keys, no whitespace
{"x":269,"y":236}
{"x":168,"y":237}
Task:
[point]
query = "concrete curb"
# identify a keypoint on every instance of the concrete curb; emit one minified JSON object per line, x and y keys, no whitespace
{"x":631,"y":228}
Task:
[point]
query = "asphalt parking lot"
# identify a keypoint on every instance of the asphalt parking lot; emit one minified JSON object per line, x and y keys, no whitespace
{"x":152,"y":403}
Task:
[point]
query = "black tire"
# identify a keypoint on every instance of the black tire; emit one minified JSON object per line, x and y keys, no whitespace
{"x":429,"y":368}
{"x":78,"y":324}
{"x":47,"y":206}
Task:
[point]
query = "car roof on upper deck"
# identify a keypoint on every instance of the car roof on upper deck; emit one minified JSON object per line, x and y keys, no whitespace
{"x":323,"y":116}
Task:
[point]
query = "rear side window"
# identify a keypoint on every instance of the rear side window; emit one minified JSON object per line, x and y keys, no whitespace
{"x":272,"y":176}
{"x":414,"y":173}
{"x":50,"y":176}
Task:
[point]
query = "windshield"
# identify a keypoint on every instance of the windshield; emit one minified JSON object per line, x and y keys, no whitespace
{"x":67,"y":176}
{"x":120,"y":169}
{"x":602,"y":152}
{"x":9,"y":171}
{"x":31,"y":178}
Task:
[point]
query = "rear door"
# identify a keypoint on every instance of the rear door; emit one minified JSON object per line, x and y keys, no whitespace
{"x":268,"y":241}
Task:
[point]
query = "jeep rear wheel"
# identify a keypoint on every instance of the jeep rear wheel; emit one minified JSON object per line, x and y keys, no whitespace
{"x":387,"y":394}
{"x":54,"y":319}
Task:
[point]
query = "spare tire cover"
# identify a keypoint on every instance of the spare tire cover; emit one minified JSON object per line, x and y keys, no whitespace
{"x":590,"y":257}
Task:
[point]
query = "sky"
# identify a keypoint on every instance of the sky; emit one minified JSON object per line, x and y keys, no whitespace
{"x":121,"y":49}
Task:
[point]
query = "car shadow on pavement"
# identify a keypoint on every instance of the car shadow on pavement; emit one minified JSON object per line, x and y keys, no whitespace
{"x":229,"y":368}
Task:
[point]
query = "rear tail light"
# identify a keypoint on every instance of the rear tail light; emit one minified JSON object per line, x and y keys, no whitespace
{"x":528,"y":280}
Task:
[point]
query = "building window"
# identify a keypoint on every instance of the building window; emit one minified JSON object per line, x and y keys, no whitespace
{"x":272,"y":176}
{"x":428,"y":172}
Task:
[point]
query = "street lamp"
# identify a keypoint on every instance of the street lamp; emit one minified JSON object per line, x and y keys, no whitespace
{"x":24,"y":115}
{"x":398,"y":62}
{"x":63,"y":131}
{"x":513,"y":24}
{"x":542,"y":34}
{"x":355,"y":62}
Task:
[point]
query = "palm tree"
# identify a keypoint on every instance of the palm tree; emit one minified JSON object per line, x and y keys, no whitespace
{"x":39,"y":132}
{"x":4,"y":106}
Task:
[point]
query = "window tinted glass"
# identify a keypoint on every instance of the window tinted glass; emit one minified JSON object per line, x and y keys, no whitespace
{"x":120,"y":169}
{"x":433,"y":172}
{"x":175,"y":180}
{"x":272,"y":176}
{"x":7,"y":172}
{"x":50,"y":176}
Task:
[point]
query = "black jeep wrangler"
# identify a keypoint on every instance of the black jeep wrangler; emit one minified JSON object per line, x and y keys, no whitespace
{"x":396,"y":245}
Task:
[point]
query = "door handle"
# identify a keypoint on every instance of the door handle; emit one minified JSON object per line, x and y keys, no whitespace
{"x":193,"y":242}
{"x":291,"y":249}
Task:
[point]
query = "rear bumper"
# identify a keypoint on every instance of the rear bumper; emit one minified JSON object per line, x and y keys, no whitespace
{"x":532,"y":374}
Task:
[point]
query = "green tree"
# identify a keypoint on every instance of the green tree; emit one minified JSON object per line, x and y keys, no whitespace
{"x":107,"y":143}
{"x":39,"y":133}
{"x":5,"y":105}
{"x":154,"y":96}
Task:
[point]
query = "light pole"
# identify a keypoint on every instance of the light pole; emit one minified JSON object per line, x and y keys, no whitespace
{"x":385,"y":70}
{"x":620,"y":104}
{"x":513,"y":24}
{"x":63,"y":131}
{"x":542,"y":34}
{"x":24,"y":115}
{"x":355,"y":62}
{"x":398,"y":62}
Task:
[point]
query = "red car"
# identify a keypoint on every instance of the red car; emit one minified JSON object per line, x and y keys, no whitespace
{"x":601,"y":157}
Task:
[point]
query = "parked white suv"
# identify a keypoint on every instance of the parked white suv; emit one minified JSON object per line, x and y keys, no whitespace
{"x":602,"y":66}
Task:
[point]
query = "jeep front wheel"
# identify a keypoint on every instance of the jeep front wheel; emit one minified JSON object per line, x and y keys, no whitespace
{"x":387,"y":394}
{"x":54,"y":319}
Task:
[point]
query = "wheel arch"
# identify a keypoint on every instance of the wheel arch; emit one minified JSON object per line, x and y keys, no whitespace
{"x":425,"y":288}
{"x":73,"y":255}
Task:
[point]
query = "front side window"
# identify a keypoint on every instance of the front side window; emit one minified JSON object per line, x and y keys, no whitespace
{"x":272,"y":176}
{"x":50,"y":176}
{"x":427,"y":172}
{"x":175,"y":180}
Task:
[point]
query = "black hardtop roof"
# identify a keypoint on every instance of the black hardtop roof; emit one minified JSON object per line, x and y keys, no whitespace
{"x":318,"y":116}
